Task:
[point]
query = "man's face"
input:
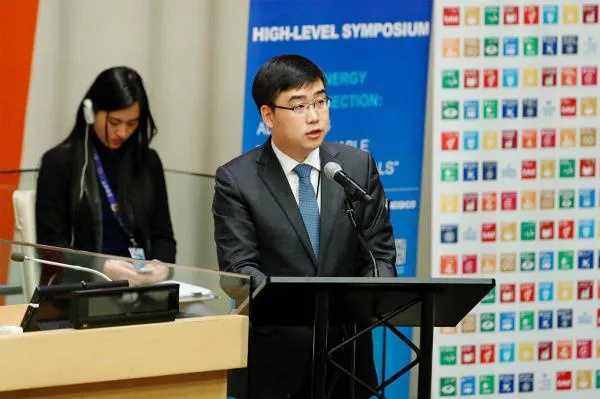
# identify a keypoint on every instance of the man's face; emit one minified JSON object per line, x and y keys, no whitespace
{"x":297,"y":134}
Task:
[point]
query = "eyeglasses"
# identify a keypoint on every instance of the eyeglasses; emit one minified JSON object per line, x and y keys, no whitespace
{"x":321,"y":104}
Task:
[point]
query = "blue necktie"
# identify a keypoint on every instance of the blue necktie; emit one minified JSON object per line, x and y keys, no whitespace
{"x":309,"y":209}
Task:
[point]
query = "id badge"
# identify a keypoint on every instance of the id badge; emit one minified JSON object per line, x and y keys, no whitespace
{"x":138,"y":253}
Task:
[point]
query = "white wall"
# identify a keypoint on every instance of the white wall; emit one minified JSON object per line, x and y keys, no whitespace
{"x":191,"y":54}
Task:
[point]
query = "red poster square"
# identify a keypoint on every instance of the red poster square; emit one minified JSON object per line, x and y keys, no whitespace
{"x":470,"y":202}
{"x":568,"y":106}
{"x":468,"y":354}
{"x":451,"y":16}
{"x":549,"y":77}
{"x":471,"y":78}
{"x":507,"y":293}
{"x":487,"y":353}
{"x":469,"y":264}
{"x":531,"y":15}
{"x":511,"y":15}
{"x":566,"y":229}
{"x":450,"y":141}
{"x":585,"y":290}
{"x":510,"y":139}
{"x":490,"y":78}
{"x":528,"y":169}
{"x":587,"y":167}
{"x":527,"y":292}
{"x":590,"y":14}
{"x":548,"y":138}
{"x":547,"y":230}
{"x":589,"y":76}
{"x":488,"y":232}
{"x":584,"y":349}
{"x":563,"y":381}
{"x":509,"y":201}
{"x":545,"y":351}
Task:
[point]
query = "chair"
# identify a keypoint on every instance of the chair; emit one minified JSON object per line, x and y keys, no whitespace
{"x":24,"y":209}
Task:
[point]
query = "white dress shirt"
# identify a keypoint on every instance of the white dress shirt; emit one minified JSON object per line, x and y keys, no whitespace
{"x":288,"y":164}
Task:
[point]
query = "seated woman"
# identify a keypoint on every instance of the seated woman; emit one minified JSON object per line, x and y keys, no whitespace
{"x":103,"y":189}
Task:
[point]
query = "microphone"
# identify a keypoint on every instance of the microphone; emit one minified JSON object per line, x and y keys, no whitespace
{"x":19,"y":257}
{"x":334,"y":172}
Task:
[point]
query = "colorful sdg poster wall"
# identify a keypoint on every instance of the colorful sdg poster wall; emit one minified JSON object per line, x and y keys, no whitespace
{"x":516,"y":195}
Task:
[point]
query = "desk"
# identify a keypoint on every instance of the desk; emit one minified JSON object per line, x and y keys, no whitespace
{"x":185,"y":358}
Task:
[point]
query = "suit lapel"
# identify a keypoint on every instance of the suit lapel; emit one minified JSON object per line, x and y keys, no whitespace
{"x":272,"y":175}
{"x":331,"y":201}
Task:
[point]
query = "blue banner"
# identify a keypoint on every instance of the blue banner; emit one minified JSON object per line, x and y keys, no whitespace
{"x":375,"y":55}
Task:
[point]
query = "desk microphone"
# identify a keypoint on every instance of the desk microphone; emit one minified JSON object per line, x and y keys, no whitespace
{"x":334,"y":172}
{"x":19,"y":257}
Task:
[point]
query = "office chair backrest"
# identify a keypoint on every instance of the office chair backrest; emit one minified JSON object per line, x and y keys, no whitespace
{"x":24,"y":209}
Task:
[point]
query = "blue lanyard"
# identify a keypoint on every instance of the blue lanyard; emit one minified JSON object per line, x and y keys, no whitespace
{"x":112,"y":201}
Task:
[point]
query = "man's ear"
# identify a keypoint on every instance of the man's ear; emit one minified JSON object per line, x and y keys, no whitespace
{"x":266,"y":114}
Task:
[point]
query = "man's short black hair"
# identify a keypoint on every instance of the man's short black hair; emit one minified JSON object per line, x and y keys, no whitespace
{"x":282,"y":73}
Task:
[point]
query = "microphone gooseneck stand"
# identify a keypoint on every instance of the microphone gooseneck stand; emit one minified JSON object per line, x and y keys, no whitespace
{"x":322,"y":355}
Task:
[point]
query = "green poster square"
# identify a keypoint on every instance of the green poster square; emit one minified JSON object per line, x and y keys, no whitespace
{"x":487,"y":322}
{"x":527,"y":261}
{"x":566,"y":199}
{"x":449,"y":171}
{"x":491,"y":46}
{"x":531,"y":46}
{"x":490,"y":109}
{"x":486,"y":384}
{"x":526,"y":321}
{"x":448,"y":355}
{"x":450,"y":110}
{"x":448,"y":386}
{"x":491,"y":15}
{"x":565,"y":260}
{"x":450,"y":79}
{"x":527,"y":231}
{"x":567,"y":168}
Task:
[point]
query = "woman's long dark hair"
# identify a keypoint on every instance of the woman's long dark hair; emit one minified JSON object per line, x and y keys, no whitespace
{"x":115,"y":89}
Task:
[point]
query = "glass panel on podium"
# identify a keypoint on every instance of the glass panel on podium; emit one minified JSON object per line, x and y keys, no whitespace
{"x":190,"y":199}
{"x":202,"y":292}
{"x":190,"y":204}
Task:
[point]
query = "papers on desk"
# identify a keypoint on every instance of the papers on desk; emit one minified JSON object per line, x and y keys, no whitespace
{"x":5,"y":329}
{"x":191,"y":291}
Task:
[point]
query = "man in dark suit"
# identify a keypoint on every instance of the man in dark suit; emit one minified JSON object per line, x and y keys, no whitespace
{"x":275,"y":215}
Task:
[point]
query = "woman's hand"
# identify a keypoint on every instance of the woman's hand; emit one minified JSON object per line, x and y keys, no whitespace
{"x":155,"y":272}
{"x":122,"y":270}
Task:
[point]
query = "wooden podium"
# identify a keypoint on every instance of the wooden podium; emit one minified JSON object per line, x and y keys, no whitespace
{"x":185,"y":358}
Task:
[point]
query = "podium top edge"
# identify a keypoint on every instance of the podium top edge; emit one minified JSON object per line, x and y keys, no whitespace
{"x":380,"y":280}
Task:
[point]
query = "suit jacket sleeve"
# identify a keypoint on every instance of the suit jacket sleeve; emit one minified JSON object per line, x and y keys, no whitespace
{"x":377,"y":229}
{"x":235,"y":234}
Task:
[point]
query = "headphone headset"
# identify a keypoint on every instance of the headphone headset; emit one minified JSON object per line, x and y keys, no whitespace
{"x":88,"y":112}
{"x":90,"y":118}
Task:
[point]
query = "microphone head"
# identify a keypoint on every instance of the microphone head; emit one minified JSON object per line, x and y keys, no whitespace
{"x":331,"y":168}
{"x":17,"y":257}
